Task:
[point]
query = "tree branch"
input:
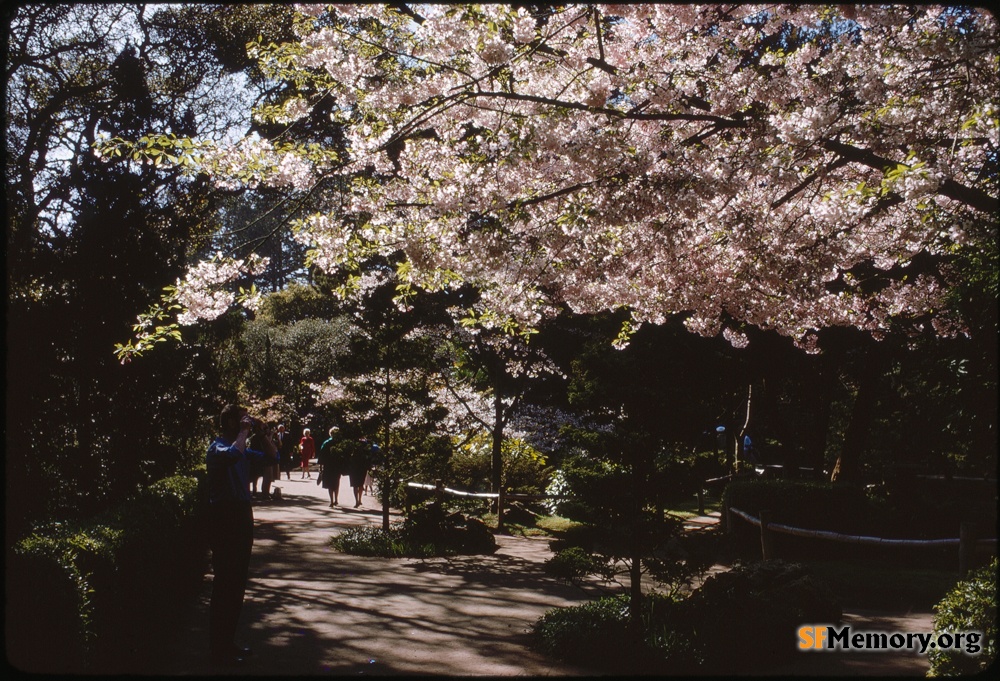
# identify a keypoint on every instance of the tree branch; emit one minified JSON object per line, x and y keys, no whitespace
{"x":970,"y":196}
{"x":632,"y":115}
{"x":809,"y":180}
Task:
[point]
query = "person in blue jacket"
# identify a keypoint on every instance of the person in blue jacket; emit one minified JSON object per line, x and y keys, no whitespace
{"x":230,"y":519}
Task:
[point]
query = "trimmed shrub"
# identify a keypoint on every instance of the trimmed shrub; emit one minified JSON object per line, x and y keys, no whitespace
{"x":374,"y":541}
{"x":931,"y":508}
{"x":429,"y":530}
{"x":927,"y":509}
{"x":76,"y":587}
{"x":810,"y":505}
{"x":970,"y":606}
{"x":746,"y":618}
{"x":449,"y":533}
{"x":598,"y":635}
{"x":572,"y":565}
{"x":738,"y":620}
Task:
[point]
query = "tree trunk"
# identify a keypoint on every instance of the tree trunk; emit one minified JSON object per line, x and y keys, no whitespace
{"x":639,"y":488}
{"x":848,"y":466}
{"x":385,"y":500}
{"x":496,"y":459}
{"x":821,"y":396}
{"x":738,"y":445}
{"x":386,"y":484}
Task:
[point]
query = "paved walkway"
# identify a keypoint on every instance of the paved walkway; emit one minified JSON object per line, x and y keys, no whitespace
{"x":311,"y":610}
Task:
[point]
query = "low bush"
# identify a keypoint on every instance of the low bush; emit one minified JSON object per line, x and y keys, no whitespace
{"x":920,"y":509}
{"x":428,"y":530}
{"x":810,"y":505}
{"x":373,"y":540}
{"x":737,"y":621}
{"x":934,"y":508}
{"x":75,"y":587}
{"x":572,"y":565}
{"x":469,"y":468}
{"x":598,"y":635}
{"x":745,"y":618}
{"x":970,"y":606}
{"x":449,"y":532}
{"x":885,"y":585}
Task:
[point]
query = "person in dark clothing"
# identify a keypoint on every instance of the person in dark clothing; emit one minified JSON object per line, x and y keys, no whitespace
{"x":358,"y":461}
{"x":286,"y":446}
{"x":331,"y":461}
{"x":230,"y":518}
{"x":272,"y":471}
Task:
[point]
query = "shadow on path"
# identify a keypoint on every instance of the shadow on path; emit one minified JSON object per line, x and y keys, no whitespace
{"x":311,"y":610}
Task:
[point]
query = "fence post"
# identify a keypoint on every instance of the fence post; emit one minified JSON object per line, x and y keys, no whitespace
{"x":501,"y":503}
{"x":701,"y":501}
{"x":967,"y":539}
{"x":439,"y":491}
{"x":407,"y":499}
{"x":766,"y":536}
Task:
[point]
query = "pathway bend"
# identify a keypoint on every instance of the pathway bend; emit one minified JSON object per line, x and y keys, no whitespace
{"x":311,"y":610}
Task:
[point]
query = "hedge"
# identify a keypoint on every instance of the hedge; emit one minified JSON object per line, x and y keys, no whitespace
{"x":82,"y":595}
{"x":738,"y":622}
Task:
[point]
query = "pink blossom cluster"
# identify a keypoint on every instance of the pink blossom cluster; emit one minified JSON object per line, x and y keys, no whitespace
{"x":203,"y":293}
{"x":656,"y":157}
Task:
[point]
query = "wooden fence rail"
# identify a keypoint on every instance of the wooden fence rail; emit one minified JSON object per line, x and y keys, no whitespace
{"x":968,"y":542}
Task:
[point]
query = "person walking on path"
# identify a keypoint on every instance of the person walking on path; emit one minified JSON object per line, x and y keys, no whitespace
{"x":286,"y":460}
{"x":272,"y":471}
{"x":357,"y":467}
{"x":307,"y":450}
{"x":331,"y":461}
{"x":230,"y":519}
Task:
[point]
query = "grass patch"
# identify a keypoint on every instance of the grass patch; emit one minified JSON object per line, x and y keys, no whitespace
{"x":523,"y":525}
{"x":554,"y":524}
{"x":689,"y":508}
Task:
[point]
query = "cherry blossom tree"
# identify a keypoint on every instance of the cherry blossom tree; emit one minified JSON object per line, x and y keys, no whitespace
{"x":787,"y":167}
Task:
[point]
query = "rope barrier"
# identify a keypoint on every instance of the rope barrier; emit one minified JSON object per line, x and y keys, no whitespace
{"x":852,"y":539}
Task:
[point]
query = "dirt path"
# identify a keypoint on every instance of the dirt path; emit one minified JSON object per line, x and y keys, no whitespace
{"x":313,"y":611}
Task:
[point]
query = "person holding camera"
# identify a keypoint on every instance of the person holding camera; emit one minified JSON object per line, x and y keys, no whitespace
{"x":230,"y":518}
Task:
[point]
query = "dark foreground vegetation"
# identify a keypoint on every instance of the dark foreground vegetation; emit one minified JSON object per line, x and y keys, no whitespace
{"x":98,"y":596}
